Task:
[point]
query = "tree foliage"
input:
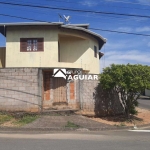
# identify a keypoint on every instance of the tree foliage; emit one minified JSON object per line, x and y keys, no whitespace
{"x":128,"y":81}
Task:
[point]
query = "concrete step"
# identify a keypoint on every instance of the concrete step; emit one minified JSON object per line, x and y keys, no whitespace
{"x":58,"y":111}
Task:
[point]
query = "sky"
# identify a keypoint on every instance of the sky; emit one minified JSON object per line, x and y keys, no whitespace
{"x":120,"y":48}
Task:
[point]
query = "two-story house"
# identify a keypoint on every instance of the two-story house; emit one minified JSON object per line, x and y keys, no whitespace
{"x":48,"y":46}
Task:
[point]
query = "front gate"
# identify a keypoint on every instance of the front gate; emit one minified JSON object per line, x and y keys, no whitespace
{"x":55,"y":89}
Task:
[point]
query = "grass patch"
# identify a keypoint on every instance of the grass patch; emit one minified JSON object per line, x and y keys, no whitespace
{"x":16,"y":119}
{"x":26,"y":119}
{"x":122,"y":124}
{"x":71,"y":125}
{"x":4,"y":118}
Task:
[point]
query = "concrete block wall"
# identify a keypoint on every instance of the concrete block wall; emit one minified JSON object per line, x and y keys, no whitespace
{"x":102,"y":102}
{"x":20,"y":89}
{"x":87,"y":94}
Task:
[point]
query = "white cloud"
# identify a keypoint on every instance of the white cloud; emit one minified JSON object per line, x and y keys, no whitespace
{"x":124,"y":57}
{"x":144,"y":1}
{"x":124,"y":44}
{"x":143,"y":29}
{"x":114,"y":46}
{"x":138,"y":29}
{"x":134,"y":56}
{"x":89,"y":3}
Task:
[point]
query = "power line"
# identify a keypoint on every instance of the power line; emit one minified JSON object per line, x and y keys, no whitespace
{"x":106,"y":30}
{"x":101,"y":16}
{"x":23,"y":18}
{"x":118,"y":17}
{"x":74,"y":10}
{"x":121,"y":32}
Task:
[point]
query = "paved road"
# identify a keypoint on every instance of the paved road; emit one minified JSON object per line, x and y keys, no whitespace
{"x":106,"y":140}
{"x":144,"y":102}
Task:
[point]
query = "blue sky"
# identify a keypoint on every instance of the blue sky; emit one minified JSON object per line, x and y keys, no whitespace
{"x":120,"y":48}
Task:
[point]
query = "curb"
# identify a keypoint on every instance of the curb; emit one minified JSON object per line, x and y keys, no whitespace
{"x":60,"y":129}
{"x":13,"y":129}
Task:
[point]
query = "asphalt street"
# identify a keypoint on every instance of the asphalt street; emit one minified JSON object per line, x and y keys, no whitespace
{"x":104,"y":140}
{"x":144,"y":102}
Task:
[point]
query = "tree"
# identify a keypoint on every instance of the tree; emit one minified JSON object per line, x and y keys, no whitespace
{"x":128,"y":81}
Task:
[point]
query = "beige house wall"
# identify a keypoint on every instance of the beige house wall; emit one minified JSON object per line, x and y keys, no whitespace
{"x":15,"y":58}
{"x":76,"y":49}
{"x":2,"y":57}
{"x":80,"y":51}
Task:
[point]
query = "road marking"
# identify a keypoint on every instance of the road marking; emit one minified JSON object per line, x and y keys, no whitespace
{"x":139,"y":130}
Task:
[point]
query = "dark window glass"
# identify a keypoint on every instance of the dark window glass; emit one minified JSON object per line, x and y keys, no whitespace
{"x":95,"y":51}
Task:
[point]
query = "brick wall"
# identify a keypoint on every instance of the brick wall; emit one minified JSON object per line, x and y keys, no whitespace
{"x":20,"y":89}
{"x":73,"y":94}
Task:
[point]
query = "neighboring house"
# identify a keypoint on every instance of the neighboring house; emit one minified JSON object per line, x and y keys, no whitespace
{"x":147,"y":92}
{"x":51,"y":45}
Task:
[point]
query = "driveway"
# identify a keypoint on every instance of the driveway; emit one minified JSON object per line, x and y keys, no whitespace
{"x":60,"y":122}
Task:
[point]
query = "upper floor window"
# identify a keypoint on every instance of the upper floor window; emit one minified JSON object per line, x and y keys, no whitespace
{"x":31,"y":44}
{"x":95,"y":51}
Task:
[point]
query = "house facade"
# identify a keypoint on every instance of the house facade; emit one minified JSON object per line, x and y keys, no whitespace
{"x":56,"y":45}
{"x":39,"y":48}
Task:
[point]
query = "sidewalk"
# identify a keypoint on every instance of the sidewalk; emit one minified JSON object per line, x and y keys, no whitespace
{"x":62,"y":123}
{"x":47,"y":122}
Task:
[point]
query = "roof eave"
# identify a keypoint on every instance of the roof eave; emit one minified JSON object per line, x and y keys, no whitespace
{"x":31,"y":23}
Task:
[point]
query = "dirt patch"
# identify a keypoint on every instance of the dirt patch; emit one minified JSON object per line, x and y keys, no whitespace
{"x":10,"y":124}
{"x":142,"y":118}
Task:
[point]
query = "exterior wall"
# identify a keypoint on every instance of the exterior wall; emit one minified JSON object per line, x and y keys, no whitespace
{"x":20,"y":89}
{"x":147,"y":92}
{"x":15,"y":58}
{"x":2,"y":57}
{"x":76,"y":52}
{"x":80,"y":51}
{"x":100,"y":102}
{"x":87,"y":97}
{"x":73,"y":94}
